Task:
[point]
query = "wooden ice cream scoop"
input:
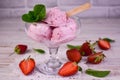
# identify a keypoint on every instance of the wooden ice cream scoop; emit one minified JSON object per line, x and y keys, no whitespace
{"x":78,"y":9}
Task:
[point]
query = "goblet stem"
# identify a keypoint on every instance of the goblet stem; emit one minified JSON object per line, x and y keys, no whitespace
{"x":53,"y":64}
{"x":53,"y":61}
{"x":53,"y":51}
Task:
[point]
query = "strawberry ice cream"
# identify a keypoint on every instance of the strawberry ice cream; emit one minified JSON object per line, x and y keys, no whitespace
{"x":57,"y":28}
{"x":39,"y":32}
{"x":56,"y":17}
{"x":65,"y":32}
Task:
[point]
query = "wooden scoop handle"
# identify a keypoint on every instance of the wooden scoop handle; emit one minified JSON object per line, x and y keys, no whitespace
{"x":78,"y":9}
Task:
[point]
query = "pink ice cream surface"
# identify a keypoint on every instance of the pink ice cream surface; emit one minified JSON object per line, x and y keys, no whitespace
{"x":63,"y":28}
{"x":56,"y":17}
{"x":64,"y":33}
{"x":39,"y":32}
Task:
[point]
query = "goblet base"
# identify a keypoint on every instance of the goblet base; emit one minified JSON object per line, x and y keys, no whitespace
{"x":51,"y":67}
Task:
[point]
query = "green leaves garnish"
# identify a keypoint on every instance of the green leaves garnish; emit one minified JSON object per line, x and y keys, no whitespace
{"x":38,"y":14}
{"x":97,"y":73}
{"x":73,"y":47}
{"x":109,"y":40}
{"x":39,"y":51}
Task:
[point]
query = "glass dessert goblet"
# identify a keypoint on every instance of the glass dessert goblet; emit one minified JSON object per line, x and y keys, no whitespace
{"x":52,"y":37}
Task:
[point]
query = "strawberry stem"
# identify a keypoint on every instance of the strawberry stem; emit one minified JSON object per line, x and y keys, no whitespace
{"x":92,"y":47}
{"x":94,"y":44}
{"x":104,"y":55}
{"x":28,"y":57}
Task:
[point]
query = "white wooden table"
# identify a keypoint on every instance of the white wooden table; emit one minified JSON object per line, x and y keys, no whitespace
{"x":12,"y":33}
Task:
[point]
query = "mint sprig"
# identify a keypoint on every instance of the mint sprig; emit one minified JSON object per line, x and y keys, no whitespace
{"x":38,"y":14}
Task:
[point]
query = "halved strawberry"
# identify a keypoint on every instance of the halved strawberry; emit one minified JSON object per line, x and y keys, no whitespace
{"x":86,"y":49}
{"x":95,"y":58}
{"x":73,"y":55}
{"x":20,"y":48}
{"x":27,"y":66}
{"x":104,"y":44}
{"x":68,"y":69}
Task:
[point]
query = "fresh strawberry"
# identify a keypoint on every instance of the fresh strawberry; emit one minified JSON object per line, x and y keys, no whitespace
{"x":73,"y":55}
{"x":27,"y":66}
{"x":68,"y":69}
{"x":86,"y":49}
{"x":20,"y":48}
{"x":103,"y":44}
{"x":95,"y":58}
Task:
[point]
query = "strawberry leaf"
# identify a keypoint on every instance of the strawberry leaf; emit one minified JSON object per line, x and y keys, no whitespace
{"x":97,"y":59}
{"x":83,"y":53}
{"x":79,"y":68}
{"x":39,"y":51}
{"x":97,"y":73}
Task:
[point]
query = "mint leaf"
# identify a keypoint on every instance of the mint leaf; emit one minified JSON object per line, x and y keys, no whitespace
{"x":39,"y":51}
{"x":27,"y":18}
{"x":38,"y":14}
{"x":31,"y":14}
{"x":97,"y":73}
{"x":109,"y":40}
{"x":40,"y":11}
{"x":73,"y":47}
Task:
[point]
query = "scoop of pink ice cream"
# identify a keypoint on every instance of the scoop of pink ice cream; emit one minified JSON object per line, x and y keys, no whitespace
{"x":56,"y":17}
{"x":39,"y":32}
{"x":65,"y":33}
